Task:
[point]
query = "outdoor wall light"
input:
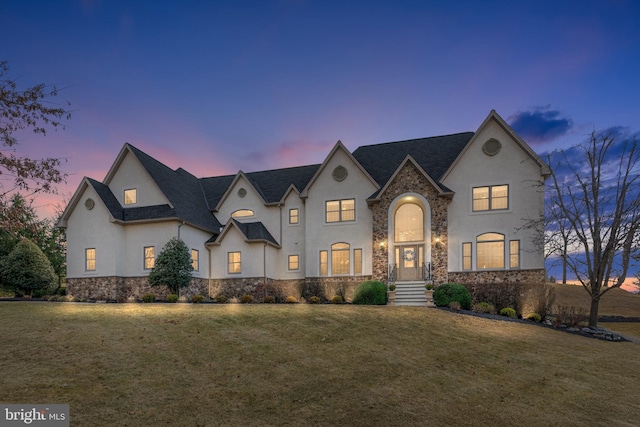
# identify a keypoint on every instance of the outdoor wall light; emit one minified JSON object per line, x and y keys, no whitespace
{"x":438,"y":244}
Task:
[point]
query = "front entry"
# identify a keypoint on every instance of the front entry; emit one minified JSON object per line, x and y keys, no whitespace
{"x":408,"y":261}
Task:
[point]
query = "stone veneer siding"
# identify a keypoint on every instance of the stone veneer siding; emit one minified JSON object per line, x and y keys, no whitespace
{"x":537,"y":276}
{"x":123,"y":289}
{"x":410,"y":179}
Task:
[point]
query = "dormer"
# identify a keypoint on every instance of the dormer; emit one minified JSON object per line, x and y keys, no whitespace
{"x":130,"y":182}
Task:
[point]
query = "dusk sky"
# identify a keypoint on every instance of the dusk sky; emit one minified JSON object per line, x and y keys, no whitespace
{"x":216,"y":87}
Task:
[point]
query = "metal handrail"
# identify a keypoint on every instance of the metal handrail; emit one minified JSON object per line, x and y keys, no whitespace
{"x":426,"y":271}
{"x":393,"y":271}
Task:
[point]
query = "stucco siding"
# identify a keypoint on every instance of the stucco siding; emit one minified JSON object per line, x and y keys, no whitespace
{"x":92,"y":228}
{"x":320,"y":235}
{"x":131,"y":175}
{"x":511,"y":166}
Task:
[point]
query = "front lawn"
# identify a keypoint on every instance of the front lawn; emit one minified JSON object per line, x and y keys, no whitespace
{"x":263,"y":364}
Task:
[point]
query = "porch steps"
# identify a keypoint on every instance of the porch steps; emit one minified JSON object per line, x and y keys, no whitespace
{"x":410,"y":293}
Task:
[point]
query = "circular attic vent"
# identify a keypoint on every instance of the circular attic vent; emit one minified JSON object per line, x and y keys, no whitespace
{"x":89,"y":204}
{"x":491,"y":147}
{"x":242,"y":192}
{"x":340,"y":173}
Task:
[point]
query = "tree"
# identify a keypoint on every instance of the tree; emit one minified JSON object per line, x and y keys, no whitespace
{"x":27,"y":269}
{"x":21,"y":110}
{"x":172,"y":267}
{"x":22,"y":222}
{"x":596,"y":188}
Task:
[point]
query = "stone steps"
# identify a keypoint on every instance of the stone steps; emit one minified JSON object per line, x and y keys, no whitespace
{"x":411,"y":294}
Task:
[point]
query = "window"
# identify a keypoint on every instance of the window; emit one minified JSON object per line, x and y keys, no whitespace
{"x":234,"y":262}
{"x":130,"y":196}
{"x":243,"y":213}
{"x":294,"y":262}
{"x":324,"y":263}
{"x":357,"y":261}
{"x":466,"y":256}
{"x":149,"y":257}
{"x":490,"y":198}
{"x":294,"y":216}
{"x":514,"y":254}
{"x":340,"y":258}
{"x":409,"y":223}
{"x":340,"y":210}
{"x":195,"y":259}
{"x":490,"y":251}
{"x":90,"y":259}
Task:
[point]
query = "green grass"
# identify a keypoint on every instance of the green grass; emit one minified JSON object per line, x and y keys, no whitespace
{"x":264,"y":364}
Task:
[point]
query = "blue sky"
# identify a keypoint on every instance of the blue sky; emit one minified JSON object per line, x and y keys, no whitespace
{"x":215,"y":86}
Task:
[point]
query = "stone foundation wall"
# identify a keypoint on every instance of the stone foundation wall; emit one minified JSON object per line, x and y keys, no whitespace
{"x":502,"y":276}
{"x":123,"y":289}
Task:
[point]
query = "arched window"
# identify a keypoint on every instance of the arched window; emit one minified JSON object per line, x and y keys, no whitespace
{"x":340,"y":258}
{"x":490,"y":248}
{"x":243,"y":213}
{"x":409,"y":223}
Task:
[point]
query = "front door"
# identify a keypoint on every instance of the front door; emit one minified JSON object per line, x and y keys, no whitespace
{"x":408,"y":263}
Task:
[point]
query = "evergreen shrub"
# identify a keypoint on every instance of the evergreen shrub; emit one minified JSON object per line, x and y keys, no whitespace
{"x":371,"y":292}
{"x":445,"y":294}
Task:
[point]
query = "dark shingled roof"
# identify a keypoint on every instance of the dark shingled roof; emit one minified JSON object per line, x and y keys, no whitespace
{"x":109,"y":200}
{"x":194,"y":199}
{"x":183,"y":191}
{"x":129,"y":214}
{"x":272,"y":184}
{"x":434,"y":155}
{"x":255,"y":231}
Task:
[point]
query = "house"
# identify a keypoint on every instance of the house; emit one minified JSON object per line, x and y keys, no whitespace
{"x":440,"y":209}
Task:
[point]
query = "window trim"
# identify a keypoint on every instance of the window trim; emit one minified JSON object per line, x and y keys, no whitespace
{"x":297,"y":262}
{"x":250,"y":213}
{"x":357,"y":262}
{"x":335,"y":265}
{"x":468,"y":257}
{"x":135,"y":195}
{"x":195,"y":261}
{"x":145,"y":258}
{"x":479,"y":242}
{"x":325,"y":264}
{"x":296,"y":216}
{"x":87,"y":259}
{"x":490,"y":198}
{"x":516,"y":255}
{"x":231,"y":263}
{"x":340,"y":211}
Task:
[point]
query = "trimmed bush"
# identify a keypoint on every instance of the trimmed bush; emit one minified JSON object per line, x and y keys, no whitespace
{"x":392,"y":287}
{"x":484,"y":307}
{"x":269,"y":299}
{"x":291,"y":299}
{"x":148,"y":298}
{"x":337,"y":299}
{"x":221,"y":299}
{"x":246,"y":299}
{"x":172,"y":298}
{"x":535,"y":317}
{"x":197,"y":299}
{"x":449,"y":292}
{"x":314,"y":300}
{"x":509,"y":312}
{"x":371,"y":292}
